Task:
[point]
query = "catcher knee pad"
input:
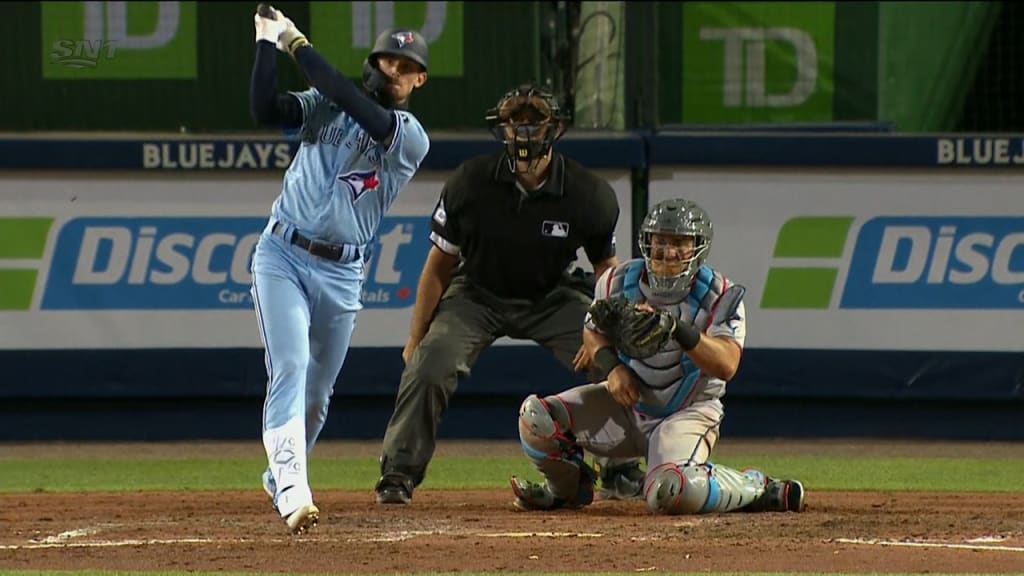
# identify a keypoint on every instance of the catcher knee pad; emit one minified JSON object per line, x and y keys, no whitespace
{"x":544,"y":428}
{"x":689,"y":489}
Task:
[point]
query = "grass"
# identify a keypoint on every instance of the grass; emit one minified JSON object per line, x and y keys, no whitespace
{"x":453,"y":472}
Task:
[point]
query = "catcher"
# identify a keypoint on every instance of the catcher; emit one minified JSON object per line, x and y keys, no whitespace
{"x":665,"y":334}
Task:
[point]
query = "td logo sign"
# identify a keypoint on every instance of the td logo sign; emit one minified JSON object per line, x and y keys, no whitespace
{"x":757,"y":61}
{"x":118,"y":40}
{"x":345,"y":31}
{"x":744,"y":67}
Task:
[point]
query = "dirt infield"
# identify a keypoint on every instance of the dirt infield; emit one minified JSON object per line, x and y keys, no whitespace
{"x":480,"y":531}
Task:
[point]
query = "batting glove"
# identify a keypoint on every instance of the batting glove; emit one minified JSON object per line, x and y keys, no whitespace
{"x":269,"y":30}
{"x":291,"y":38}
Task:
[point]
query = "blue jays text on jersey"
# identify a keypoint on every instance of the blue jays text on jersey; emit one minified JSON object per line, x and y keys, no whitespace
{"x":341,"y":182}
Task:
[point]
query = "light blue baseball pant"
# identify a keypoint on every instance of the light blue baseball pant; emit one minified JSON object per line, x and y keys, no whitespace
{"x":306,"y":308}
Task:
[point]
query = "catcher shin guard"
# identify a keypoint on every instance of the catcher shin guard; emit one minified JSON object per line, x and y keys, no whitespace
{"x":544,"y":432}
{"x":699,"y":489}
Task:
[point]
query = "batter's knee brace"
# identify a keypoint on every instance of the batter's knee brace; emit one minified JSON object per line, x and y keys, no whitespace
{"x":544,"y":429}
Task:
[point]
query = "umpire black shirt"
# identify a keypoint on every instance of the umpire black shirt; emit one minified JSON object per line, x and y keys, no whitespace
{"x":517,"y":244}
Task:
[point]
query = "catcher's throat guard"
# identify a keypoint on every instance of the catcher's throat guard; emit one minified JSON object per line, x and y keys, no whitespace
{"x":528,"y":121}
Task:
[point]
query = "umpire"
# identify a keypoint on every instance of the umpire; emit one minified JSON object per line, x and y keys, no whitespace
{"x":505,"y":231}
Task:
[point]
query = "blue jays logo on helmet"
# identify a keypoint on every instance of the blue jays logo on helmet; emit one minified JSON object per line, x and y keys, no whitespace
{"x":403,"y":38}
{"x":360,"y":182}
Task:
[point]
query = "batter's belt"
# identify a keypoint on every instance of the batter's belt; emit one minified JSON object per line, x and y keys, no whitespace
{"x":335,"y":252}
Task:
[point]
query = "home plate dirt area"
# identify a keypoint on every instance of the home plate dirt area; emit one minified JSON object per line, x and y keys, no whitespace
{"x":479,"y":530}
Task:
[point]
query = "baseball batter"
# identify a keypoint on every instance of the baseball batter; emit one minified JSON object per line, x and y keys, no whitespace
{"x":359,"y":148}
{"x":666,"y":332}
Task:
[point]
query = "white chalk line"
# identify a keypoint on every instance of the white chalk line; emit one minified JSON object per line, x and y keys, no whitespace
{"x":68,"y":535}
{"x":539,"y":535}
{"x":53,"y":542}
{"x":113,"y":543}
{"x":65,"y":539}
{"x":875,"y":542}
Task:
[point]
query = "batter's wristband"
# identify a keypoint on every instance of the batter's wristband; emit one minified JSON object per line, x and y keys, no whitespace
{"x":686,"y":335}
{"x":296,"y":43}
{"x":605,"y":360}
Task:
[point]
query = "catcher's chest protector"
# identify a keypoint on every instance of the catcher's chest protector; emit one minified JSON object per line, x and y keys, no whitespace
{"x":698,"y":307}
{"x":671,"y":379}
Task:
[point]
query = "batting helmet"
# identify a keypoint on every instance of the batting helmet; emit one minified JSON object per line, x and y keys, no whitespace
{"x":528,"y":120}
{"x":670,"y":277}
{"x":397,"y":42}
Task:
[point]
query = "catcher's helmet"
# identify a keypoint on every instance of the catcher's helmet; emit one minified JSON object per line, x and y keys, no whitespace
{"x":528,"y":120}
{"x":678,"y":217}
{"x":398,"y":42}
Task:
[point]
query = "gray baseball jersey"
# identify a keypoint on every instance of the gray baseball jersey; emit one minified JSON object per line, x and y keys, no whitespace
{"x":680,"y":409}
{"x":670,"y":380}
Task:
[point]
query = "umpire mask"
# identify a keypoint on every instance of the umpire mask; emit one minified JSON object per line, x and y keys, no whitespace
{"x":675,"y":238}
{"x":528,"y":121}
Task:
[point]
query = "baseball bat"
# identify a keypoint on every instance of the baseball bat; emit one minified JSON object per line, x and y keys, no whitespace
{"x":265,"y":11}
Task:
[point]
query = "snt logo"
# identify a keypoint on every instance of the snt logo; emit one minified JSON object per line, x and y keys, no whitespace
{"x":82,"y":53}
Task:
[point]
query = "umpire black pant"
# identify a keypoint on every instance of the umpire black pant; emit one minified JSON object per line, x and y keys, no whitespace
{"x":468,"y":320}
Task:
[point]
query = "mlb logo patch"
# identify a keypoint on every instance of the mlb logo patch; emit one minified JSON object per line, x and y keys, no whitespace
{"x":403,"y":38}
{"x":555,"y":229}
{"x":440,"y":215}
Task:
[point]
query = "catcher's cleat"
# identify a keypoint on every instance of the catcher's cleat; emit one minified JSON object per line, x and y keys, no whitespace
{"x":394,"y":489}
{"x":622,"y":482}
{"x":531,"y":496}
{"x":303,"y":519}
{"x":778,"y":496}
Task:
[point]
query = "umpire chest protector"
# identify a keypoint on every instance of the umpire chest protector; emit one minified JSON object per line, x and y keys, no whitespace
{"x":519,"y":244}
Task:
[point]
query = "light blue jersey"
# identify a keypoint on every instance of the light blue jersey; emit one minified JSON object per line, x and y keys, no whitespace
{"x":337,"y":190}
{"x":341,"y":183}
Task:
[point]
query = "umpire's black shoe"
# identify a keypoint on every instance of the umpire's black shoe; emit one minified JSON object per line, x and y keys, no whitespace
{"x":394,"y":489}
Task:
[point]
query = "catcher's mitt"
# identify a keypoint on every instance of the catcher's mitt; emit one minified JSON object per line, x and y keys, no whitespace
{"x":634,"y":332}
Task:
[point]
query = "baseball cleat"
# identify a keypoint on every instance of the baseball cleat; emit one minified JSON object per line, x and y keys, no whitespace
{"x":792,"y":494}
{"x":303,"y":519}
{"x":532,"y":496}
{"x":622,"y":482}
{"x":780,"y":496}
{"x":393,"y":489}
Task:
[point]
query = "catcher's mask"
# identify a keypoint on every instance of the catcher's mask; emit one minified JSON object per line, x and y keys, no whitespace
{"x":528,"y":121}
{"x":675,"y":238}
{"x":397,"y":42}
